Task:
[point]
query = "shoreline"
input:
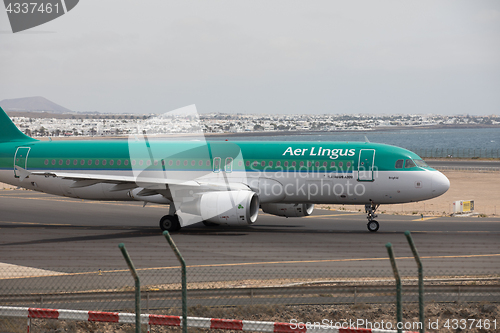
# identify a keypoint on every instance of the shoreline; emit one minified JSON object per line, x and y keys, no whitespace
{"x":364,"y":131}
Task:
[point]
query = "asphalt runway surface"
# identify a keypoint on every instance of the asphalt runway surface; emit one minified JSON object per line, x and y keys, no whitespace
{"x":68,"y":235}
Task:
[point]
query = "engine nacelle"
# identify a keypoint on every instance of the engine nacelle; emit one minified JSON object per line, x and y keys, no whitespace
{"x":225,"y":207}
{"x":288,"y":210}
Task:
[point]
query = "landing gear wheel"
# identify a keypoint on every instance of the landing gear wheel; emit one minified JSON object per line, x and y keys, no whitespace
{"x":170,"y":223}
{"x":373,"y":226}
{"x":209,"y":224}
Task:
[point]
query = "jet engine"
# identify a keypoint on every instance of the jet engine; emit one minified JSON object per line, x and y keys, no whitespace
{"x":225,"y":207}
{"x":288,"y":210}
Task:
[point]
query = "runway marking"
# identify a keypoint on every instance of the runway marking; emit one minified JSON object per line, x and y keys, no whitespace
{"x":260,"y":263}
{"x":460,"y":231}
{"x":41,"y":223}
{"x":17,"y":271}
{"x":427,"y":218}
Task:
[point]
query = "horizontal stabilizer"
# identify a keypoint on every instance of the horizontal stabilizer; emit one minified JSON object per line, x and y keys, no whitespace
{"x":23,"y":173}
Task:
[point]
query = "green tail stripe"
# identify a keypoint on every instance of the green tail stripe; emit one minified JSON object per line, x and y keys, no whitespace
{"x":9,"y":131}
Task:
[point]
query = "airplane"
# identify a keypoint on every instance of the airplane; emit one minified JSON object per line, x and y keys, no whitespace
{"x":219,"y":182}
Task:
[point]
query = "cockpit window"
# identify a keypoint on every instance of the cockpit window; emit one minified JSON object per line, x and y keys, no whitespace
{"x":421,"y":164}
{"x":409,"y":163}
{"x":399,"y":164}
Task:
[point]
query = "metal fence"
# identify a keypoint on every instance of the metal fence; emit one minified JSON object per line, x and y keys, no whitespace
{"x":112,"y":291}
{"x":456,"y":152}
{"x":289,"y":291}
{"x":277,"y":292}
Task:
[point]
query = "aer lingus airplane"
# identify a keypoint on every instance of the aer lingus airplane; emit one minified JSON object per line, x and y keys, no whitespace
{"x":219,"y":182}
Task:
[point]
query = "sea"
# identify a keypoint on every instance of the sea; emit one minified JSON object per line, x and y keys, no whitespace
{"x":428,"y":142}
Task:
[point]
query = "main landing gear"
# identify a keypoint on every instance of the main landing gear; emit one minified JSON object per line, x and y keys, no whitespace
{"x":370,"y":210}
{"x":170,"y":223}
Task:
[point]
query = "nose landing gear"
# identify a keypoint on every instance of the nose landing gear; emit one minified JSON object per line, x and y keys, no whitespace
{"x":370,"y":210}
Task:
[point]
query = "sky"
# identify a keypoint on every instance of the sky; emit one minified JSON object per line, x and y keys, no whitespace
{"x":261,"y":57}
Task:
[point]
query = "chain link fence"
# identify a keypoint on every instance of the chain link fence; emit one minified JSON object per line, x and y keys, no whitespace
{"x":251,"y":291}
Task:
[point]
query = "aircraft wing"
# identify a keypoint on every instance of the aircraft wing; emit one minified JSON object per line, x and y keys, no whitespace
{"x":128,"y":182}
{"x":96,"y":178}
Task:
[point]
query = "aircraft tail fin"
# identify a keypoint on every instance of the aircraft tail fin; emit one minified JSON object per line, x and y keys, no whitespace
{"x":9,"y":131}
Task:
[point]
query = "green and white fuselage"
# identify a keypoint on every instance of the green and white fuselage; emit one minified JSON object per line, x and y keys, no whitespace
{"x":274,"y":175}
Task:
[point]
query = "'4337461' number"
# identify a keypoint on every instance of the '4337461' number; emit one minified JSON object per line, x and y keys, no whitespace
{"x":32,"y":7}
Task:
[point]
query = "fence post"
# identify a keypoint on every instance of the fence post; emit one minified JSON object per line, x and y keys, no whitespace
{"x":399,"y":310}
{"x":184,"y":285}
{"x":420,"y":280}
{"x":137,"y":287}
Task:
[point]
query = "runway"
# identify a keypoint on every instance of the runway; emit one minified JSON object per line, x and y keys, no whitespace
{"x":63,"y":253}
{"x":67,"y":235}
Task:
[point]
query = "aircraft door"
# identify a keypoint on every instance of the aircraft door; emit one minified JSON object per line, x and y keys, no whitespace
{"x":21,"y":159}
{"x":366,"y":164}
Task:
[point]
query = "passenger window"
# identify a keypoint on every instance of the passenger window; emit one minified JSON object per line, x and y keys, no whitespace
{"x":409,"y":163}
{"x":399,"y":164}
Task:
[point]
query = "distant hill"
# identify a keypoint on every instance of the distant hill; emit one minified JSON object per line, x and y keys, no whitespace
{"x":37,"y":103}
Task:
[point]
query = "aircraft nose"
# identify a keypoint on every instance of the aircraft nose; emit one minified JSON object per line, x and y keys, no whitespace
{"x":440,"y":183}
